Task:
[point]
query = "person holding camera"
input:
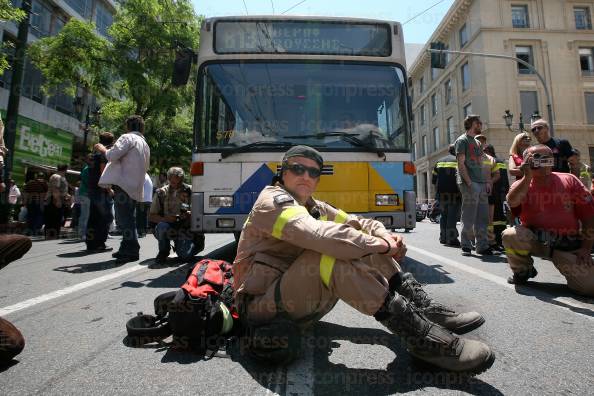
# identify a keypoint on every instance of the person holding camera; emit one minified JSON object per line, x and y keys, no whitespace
{"x":170,"y":210}
{"x":557,"y":223}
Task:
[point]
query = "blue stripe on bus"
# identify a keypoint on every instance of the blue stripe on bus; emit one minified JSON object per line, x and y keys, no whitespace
{"x":393,"y":174}
{"x":248,"y":192}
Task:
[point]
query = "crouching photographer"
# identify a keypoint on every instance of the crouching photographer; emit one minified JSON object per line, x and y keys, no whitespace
{"x":557,"y":223}
{"x":170,"y":215}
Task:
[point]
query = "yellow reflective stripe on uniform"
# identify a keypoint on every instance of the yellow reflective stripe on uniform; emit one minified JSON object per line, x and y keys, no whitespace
{"x":326,"y":267}
{"x":500,"y":166}
{"x":447,"y":165}
{"x":284,"y":217}
{"x":584,"y":174}
{"x":517,"y":252}
{"x":324,"y":218}
{"x":341,"y":217}
{"x":500,"y":223}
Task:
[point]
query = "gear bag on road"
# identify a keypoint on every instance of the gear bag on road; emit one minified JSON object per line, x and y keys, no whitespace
{"x":200,"y":315}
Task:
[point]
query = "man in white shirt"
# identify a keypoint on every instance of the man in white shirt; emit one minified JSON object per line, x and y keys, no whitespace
{"x":129,"y":160}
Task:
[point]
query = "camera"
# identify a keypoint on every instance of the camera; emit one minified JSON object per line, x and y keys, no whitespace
{"x":540,"y":161}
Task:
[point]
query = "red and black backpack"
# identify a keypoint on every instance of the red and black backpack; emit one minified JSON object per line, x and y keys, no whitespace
{"x":200,"y":315}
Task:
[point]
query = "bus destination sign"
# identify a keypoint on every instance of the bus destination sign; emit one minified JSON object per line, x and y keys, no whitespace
{"x":297,"y":37}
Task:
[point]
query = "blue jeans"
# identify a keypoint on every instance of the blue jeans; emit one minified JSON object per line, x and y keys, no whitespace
{"x":126,"y":217}
{"x":183,"y":241}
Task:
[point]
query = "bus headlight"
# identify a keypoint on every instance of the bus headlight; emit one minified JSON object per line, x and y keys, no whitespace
{"x":220,"y":201}
{"x":387,"y":200}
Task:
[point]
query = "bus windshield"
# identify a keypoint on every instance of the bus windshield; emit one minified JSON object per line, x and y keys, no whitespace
{"x":331,"y":106}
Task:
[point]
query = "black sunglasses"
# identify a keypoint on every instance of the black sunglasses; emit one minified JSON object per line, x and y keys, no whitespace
{"x":537,"y":128}
{"x":299,"y":170}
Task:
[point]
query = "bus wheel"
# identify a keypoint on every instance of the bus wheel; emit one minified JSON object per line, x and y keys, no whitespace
{"x":198,"y":243}
{"x":407,"y":230}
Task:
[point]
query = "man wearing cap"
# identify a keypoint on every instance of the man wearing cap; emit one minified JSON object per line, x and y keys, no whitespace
{"x":557,"y":215}
{"x":298,"y":256}
{"x":475,"y":188}
{"x":561,"y":148}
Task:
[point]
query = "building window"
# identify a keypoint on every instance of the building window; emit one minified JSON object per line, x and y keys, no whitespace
{"x":582,"y":18}
{"x":450,"y":129}
{"x":434,"y":73}
{"x":463,"y":34}
{"x":58,"y":25}
{"x":414,"y":152}
{"x":435,"y":139}
{"x":589,"y":107}
{"x":465,"y":72}
{"x":524,"y":53}
{"x":412,"y":93}
{"x":520,"y":16}
{"x":41,"y":17}
{"x":587,"y":61}
{"x":424,"y":147}
{"x":434,"y":105}
{"x":103,"y":20}
{"x":423,"y":115}
{"x":528,"y":103}
{"x":421,"y":85}
{"x":83,"y":7}
{"x":61,"y":101}
{"x":467,"y":109}
{"x":32,"y":82}
{"x":448,"y":92}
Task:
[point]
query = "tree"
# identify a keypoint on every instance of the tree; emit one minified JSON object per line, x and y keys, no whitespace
{"x":131,"y":71}
{"x":8,"y":13}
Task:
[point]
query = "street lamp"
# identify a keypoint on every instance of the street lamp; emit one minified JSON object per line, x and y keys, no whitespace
{"x":78,"y":107}
{"x":535,"y":116}
{"x":509,"y":119}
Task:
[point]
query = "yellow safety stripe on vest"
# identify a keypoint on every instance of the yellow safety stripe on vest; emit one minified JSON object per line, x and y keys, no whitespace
{"x":585,"y":174}
{"x":517,"y":252}
{"x":500,"y":165}
{"x":326,"y":267}
{"x":341,"y":217}
{"x":324,"y":218}
{"x":284,"y":217}
{"x":447,"y":165}
{"x":490,"y":227}
{"x":500,"y":223}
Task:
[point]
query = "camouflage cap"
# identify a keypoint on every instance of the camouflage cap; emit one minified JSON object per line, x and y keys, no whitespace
{"x":304,"y":151}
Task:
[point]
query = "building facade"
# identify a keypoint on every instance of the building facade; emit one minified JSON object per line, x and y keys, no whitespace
{"x":554,"y":36}
{"x":49,"y":129}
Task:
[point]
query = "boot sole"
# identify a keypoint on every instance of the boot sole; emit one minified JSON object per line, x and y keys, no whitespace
{"x":469,"y":326}
{"x":484,"y":366}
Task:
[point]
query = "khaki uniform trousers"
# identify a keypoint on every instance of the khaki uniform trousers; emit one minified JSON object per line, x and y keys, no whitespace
{"x":305,"y":297}
{"x":521,"y":244}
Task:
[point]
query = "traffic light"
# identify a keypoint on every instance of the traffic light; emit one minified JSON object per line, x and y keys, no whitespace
{"x":438,"y":59}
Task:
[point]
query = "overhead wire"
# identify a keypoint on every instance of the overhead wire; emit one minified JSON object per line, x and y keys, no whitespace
{"x":422,"y":12}
{"x":290,"y":8}
{"x":245,"y":6}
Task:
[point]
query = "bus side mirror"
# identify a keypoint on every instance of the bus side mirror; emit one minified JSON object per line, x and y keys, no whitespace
{"x":182,"y":66}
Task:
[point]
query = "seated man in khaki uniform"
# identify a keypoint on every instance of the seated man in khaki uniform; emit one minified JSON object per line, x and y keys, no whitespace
{"x":298,"y":256}
{"x":552,"y":206}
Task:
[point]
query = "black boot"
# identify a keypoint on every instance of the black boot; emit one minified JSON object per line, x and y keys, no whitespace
{"x":432,"y":343}
{"x":460,"y":323}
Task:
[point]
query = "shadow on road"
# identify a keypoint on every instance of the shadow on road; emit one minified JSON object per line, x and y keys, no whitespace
{"x":92,"y":267}
{"x":547,"y":292}
{"x":426,"y":273}
{"x":401,"y":375}
{"x":6,"y":365}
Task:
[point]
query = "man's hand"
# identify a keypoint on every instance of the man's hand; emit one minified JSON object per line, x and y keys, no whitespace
{"x":489,"y":188}
{"x":100,"y":148}
{"x":526,"y":167}
{"x":399,"y":250}
{"x":583,"y":257}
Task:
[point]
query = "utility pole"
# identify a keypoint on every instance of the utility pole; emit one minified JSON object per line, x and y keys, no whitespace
{"x":17,"y":66}
{"x":528,"y":65}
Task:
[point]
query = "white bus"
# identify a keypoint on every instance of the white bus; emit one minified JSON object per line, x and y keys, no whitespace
{"x":268,"y":83}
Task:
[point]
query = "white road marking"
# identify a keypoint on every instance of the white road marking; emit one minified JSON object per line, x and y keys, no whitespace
{"x":497,"y":279}
{"x":68,"y":290}
{"x":80,"y":286}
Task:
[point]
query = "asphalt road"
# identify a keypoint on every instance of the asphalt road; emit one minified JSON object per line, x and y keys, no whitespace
{"x":72,"y":309}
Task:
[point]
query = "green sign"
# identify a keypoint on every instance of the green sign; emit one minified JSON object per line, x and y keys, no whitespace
{"x":39,"y":144}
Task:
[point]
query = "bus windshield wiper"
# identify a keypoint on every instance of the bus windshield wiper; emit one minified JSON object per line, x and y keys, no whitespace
{"x":350,"y":138}
{"x":248,"y":147}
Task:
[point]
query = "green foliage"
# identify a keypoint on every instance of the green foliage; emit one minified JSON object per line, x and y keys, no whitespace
{"x":131,"y":72}
{"x":8,"y":13}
